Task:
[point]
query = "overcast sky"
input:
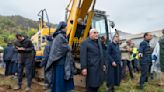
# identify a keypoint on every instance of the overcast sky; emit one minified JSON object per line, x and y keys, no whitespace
{"x":132,"y":16}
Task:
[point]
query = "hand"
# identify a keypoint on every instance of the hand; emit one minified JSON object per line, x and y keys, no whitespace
{"x":129,"y":50}
{"x":21,"y":48}
{"x":140,"y":55}
{"x":153,"y":61}
{"x":104,"y":68}
{"x":114,"y":64}
{"x":84,"y":72}
{"x":70,"y":48}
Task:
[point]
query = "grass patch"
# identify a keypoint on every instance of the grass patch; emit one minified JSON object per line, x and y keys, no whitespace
{"x":128,"y":85}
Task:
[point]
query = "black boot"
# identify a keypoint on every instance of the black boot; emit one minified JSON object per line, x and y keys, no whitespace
{"x":141,"y":87}
{"x":111,"y":89}
{"x":146,"y":80}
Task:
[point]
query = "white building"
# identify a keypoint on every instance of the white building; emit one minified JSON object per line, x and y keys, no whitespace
{"x":137,"y":38}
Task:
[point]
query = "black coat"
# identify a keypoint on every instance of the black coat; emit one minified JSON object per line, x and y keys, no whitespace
{"x":114,"y":73}
{"x":27,"y":44}
{"x":91,"y":58}
{"x":28,"y":52}
{"x":161,"y":42}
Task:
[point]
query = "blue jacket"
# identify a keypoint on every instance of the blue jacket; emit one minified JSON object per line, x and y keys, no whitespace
{"x":146,"y":50}
{"x":8,"y":52}
{"x":46,"y":54}
{"x":15,"y":56}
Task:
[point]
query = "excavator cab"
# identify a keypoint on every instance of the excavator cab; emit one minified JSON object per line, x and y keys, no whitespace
{"x":100,"y":23}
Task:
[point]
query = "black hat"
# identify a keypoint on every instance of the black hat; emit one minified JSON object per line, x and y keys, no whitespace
{"x":61,"y":25}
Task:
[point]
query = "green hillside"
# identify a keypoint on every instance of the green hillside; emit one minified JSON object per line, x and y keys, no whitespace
{"x":10,"y":25}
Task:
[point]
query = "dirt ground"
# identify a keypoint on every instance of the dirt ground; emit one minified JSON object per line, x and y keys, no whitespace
{"x":8,"y":83}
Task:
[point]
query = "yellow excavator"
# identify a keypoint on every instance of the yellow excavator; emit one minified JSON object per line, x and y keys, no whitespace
{"x":39,"y":39}
{"x":76,"y":10}
{"x":84,"y":10}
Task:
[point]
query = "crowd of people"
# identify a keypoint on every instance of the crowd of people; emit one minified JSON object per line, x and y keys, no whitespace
{"x":101,"y":60}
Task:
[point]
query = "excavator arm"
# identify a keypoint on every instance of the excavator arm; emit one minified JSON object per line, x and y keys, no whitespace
{"x":78,"y":9}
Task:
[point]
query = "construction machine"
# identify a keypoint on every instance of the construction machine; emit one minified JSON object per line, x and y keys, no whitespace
{"x":84,"y":9}
{"x":92,"y":18}
{"x":75,"y":10}
{"x":39,"y":39}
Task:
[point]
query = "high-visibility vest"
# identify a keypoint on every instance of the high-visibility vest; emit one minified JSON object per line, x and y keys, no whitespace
{"x":134,"y":52}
